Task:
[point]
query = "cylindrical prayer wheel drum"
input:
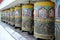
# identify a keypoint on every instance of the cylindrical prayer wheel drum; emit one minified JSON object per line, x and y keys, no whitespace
{"x":57,"y":21}
{"x":44,"y":16}
{"x":2,"y":16}
{"x":5,"y":16}
{"x":8,"y":16}
{"x":18,"y":16}
{"x":27,"y":17}
{"x":12,"y":17}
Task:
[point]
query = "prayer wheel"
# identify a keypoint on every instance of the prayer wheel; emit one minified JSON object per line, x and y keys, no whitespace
{"x":12,"y":16}
{"x":27,"y":17}
{"x":44,"y":18}
{"x":18,"y":16}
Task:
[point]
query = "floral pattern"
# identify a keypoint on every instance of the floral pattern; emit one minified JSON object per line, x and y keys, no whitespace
{"x":44,"y":13}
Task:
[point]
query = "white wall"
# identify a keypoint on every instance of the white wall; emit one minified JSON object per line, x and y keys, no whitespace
{"x":10,"y":3}
{"x":5,"y":3}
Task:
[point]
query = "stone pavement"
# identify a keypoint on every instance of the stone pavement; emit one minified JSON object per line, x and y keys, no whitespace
{"x":15,"y":34}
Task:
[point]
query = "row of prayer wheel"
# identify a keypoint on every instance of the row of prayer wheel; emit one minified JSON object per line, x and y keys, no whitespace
{"x":38,"y":18}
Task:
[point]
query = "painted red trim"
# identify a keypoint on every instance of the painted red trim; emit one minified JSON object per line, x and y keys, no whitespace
{"x":1,"y":1}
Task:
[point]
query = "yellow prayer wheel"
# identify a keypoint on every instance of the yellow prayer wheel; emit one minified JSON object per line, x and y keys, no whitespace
{"x":44,"y":20}
{"x":5,"y":16}
{"x":18,"y":16}
{"x":12,"y":16}
{"x":57,"y":20}
{"x":8,"y":16}
{"x":27,"y":17}
{"x":2,"y":16}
